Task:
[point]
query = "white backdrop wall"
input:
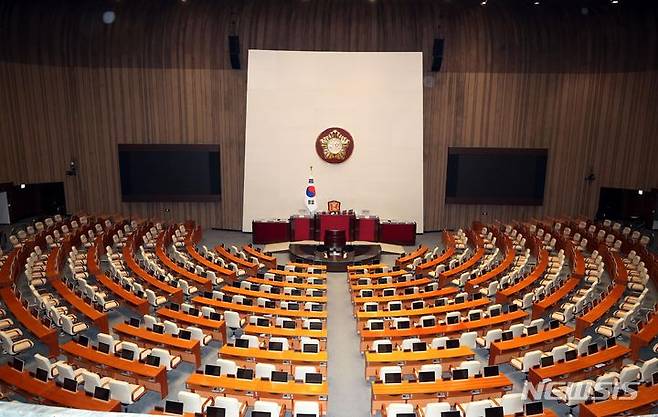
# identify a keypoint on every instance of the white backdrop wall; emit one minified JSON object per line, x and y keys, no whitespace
{"x":292,"y":96}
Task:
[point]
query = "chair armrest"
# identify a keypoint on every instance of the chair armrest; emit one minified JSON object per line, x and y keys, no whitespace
{"x":283,"y":411}
{"x":209,"y":401}
{"x":243,"y":409}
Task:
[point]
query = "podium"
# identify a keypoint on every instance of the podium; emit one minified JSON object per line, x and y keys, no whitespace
{"x":326,"y":221}
{"x":301,"y":228}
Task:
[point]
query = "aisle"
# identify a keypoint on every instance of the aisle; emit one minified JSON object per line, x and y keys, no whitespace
{"x":349,"y":394}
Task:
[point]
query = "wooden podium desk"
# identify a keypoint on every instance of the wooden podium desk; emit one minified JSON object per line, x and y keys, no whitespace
{"x":426,"y":334}
{"x":217,"y":328}
{"x":293,"y":335}
{"x":581,"y":368}
{"x":271,"y":296}
{"x":285,"y":360}
{"x":188,"y":350}
{"x":153,"y":378}
{"x":326,"y":221}
{"x":245,"y":310}
{"x":454,"y":392}
{"x":301,"y":228}
{"x":270,"y":231}
{"x":250,"y":391}
{"x":642,"y":404}
{"x":41,"y":392}
{"x":504,"y":351}
{"x":397,"y":233}
{"x":367,"y":228}
{"x":412,"y":361}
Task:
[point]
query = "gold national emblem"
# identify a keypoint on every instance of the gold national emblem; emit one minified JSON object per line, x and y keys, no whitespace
{"x":334,"y":145}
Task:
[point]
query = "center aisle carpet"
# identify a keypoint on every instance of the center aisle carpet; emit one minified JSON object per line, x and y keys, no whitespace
{"x":349,"y":393}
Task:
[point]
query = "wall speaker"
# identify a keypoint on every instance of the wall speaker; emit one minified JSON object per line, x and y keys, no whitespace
{"x":234,"y":51}
{"x":437,"y":54}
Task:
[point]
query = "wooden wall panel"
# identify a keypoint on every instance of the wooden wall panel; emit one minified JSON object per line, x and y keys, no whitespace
{"x":586,"y":87}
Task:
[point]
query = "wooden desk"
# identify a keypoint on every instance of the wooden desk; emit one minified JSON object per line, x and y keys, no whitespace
{"x":285,"y":360}
{"x":49,"y":393}
{"x":441,"y":292}
{"x":504,"y":351}
{"x":581,"y":368}
{"x":306,"y":265}
{"x":375,"y":275}
{"x":468,"y":305}
{"x":644,"y":336}
{"x":173,"y":293}
{"x":585,"y":321}
{"x":52,"y":273}
{"x":454,"y":392}
{"x":152,"y":377}
{"x":288,"y":333}
{"x":351,"y":269}
{"x":251,"y":390}
{"x":504,"y":295}
{"x":418,"y":252}
{"x":412,"y":361}
{"x":268,"y":260}
{"x":303,"y":286}
{"x":188,"y":350}
{"x":191,"y":241}
{"x":251,"y":310}
{"x":411,"y":283}
{"x":322,"y":275}
{"x":540,"y":308}
{"x":643,"y":403}
{"x":203,"y":284}
{"x":9,"y":269}
{"x":249,"y":267}
{"x":216,"y":328}
{"x":469,"y":263}
{"x":123,"y":295}
{"x":473,"y":285}
{"x":449,"y":243}
{"x":46,"y":335}
{"x":428,"y":333}
{"x":275,"y":297}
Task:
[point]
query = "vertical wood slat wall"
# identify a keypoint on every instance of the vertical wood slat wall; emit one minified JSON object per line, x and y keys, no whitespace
{"x":590,"y":97}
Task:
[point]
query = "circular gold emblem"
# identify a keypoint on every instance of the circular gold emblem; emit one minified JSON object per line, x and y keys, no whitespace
{"x":334,"y":145}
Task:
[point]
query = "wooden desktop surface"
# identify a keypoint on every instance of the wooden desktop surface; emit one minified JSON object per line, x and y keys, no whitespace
{"x":51,"y":393}
{"x":643,"y":402}
{"x":257,"y":385}
{"x":468,"y":305}
{"x":167,"y":341}
{"x":283,"y":332}
{"x":536,"y":375}
{"x":144,"y":373}
{"x":245,"y":309}
{"x":519,"y":344}
{"x":272,"y":296}
{"x":276,"y":356}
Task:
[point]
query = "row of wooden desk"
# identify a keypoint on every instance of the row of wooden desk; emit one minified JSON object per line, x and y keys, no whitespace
{"x":412,"y":361}
{"x":40,"y":392}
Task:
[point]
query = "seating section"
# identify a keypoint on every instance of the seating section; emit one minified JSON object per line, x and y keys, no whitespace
{"x":553,"y":300}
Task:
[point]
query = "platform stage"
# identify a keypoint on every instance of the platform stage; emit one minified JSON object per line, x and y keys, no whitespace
{"x":335,"y":261}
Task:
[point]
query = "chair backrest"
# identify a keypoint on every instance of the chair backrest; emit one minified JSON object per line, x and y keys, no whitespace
{"x":512,"y":403}
{"x":264,"y":370}
{"x":385,"y":370}
{"x":192,"y":402}
{"x":436,"y":409}
{"x":227,"y":367}
{"x":231,"y":405}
